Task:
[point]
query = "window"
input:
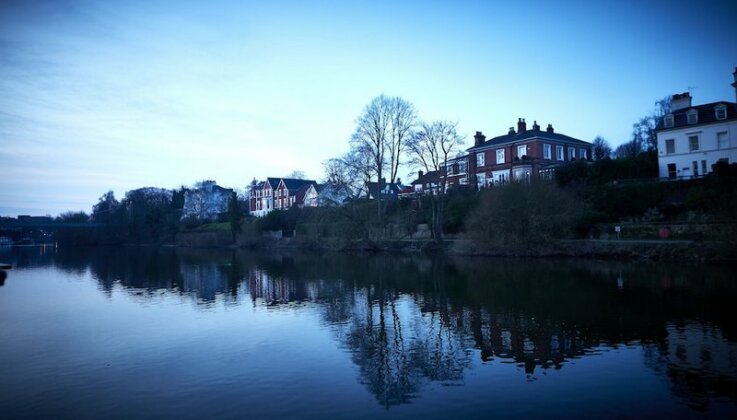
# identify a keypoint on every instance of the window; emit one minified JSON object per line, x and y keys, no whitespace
{"x":521,"y":151}
{"x":571,"y":153}
{"x":480,"y":159}
{"x":668,"y":121}
{"x":481,"y":180}
{"x":547,"y":151}
{"x":722,"y":140}
{"x":721,"y":112}
{"x":559,"y":153}
{"x":693,"y":143}
{"x":703,"y":167}
{"x":692,"y":117}
{"x":499,"y":156}
{"x":462,"y":167}
{"x":449,"y":169}
{"x":695,"y":168}
{"x":670,"y":146}
{"x":582,"y":154}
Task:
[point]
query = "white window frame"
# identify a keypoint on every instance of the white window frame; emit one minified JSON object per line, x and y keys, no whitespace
{"x":480,"y":159}
{"x":559,"y":155}
{"x":692,"y":117}
{"x":571,"y":153}
{"x":698,"y":143}
{"x":480,"y":180}
{"x":582,"y":154}
{"x":722,"y":135}
{"x":521,"y":151}
{"x":672,"y":143}
{"x":547,"y":151}
{"x":720,"y":112}
{"x":499,"y":156}
{"x":668,"y":121}
{"x":462,"y":167}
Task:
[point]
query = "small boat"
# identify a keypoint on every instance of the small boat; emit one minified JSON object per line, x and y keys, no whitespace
{"x":4,"y":266}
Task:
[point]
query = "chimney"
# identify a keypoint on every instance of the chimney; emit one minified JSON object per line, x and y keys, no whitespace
{"x":521,"y":125}
{"x":511,"y":131}
{"x":550,"y":128}
{"x":734,"y":85}
{"x":478,"y":139}
{"x":382,"y":181}
{"x":420,"y":173}
{"x":535,"y":127}
{"x":680,"y":101}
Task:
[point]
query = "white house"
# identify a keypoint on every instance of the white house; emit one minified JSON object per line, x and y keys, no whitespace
{"x":693,"y":138}
{"x":206,"y":201}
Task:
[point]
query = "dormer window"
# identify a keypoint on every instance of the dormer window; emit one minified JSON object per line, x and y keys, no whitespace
{"x":668,"y":121}
{"x":692,"y":117}
{"x":721,"y":112}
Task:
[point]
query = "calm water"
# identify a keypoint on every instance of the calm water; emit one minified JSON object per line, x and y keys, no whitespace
{"x":146,"y":333}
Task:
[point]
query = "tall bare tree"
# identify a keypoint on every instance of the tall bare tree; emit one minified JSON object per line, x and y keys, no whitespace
{"x":379,"y":140}
{"x":601,"y":148}
{"x":430,"y":148}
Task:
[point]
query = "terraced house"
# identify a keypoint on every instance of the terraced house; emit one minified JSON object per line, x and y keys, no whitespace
{"x":522,"y":154}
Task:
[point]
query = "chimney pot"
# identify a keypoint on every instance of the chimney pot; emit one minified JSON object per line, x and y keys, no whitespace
{"x":479,"y":139}
{"x":521,"y":125}
{"x":420,"y":173}
{"x":550,"y":128}
{"x":535,"y":126}
{"x":511,"y":130}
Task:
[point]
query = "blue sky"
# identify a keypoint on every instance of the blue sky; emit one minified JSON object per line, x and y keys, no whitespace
{"x":100,"y":95}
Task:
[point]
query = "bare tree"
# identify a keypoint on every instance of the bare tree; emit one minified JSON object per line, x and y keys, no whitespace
{"x":430,"y":148}
{"x":403,"y":121}
{"x":601,"y":148}
{"x":379,"y":139}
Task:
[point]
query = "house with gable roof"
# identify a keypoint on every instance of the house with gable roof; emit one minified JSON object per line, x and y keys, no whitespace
{"x":261,"y":201}
{"x":206,"y":201}
{"x":692,"y":139}
{"x":287,"y":193}
{"x":522,"y":154}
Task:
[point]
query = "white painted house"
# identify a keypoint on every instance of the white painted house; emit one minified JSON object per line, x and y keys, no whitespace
{"x":693,"y":138}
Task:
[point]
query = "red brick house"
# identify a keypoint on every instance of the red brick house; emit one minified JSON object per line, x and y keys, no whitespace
{"x":522,"y":154}
{"x":281,"y":194}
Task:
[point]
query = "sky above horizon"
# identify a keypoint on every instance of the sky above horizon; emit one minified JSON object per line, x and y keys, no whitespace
{"x":100,"y":95}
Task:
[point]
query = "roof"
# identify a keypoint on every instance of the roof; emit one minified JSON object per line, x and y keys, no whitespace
{"x":514,"y":137}
{"x":300,"y":194}
{"x":394,"y":189}
{"x":295,"y":184}
{"x":427,"y":178}
{"x":274,"y":182}
{"x":706,"y":115}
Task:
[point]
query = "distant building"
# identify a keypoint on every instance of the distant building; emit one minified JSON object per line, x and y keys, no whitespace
{"x":206,"y":201}
{"x":383,"y":189}
{"x":522,"y":154}
{"x":693,"y":138}
{"x":333,"y":194}
{"x":282,"y":194}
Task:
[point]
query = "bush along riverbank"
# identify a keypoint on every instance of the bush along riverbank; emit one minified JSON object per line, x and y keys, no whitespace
{"x":581,"y":213}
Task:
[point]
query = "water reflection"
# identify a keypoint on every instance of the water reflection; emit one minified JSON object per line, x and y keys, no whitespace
{"x":407,"y":322}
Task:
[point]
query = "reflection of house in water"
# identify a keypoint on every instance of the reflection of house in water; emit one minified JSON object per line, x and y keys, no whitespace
{"x":205,"y":280}
{"x":700,"y":362}
{"x":274,"y":290}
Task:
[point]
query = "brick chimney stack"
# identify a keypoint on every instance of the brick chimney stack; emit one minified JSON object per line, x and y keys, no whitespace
{"x":680,"y":101}
{"x":550,"y":129}
{"x":478,"y":139}
{"x":535,"y":127}
{"x":521,"y":125}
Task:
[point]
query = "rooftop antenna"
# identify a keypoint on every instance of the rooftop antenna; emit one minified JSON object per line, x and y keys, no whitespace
{"x":691,"y":88}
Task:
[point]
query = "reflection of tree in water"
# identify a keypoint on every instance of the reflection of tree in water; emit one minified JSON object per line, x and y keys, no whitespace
{"x":699,"y":362}
{"x":398,"y":348}
{"x":407,"y":322}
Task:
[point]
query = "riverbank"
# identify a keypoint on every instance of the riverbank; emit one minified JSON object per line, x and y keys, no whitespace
{"x":656,"y":250}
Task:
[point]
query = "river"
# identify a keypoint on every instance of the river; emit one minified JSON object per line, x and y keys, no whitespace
{"x":206,"y":333}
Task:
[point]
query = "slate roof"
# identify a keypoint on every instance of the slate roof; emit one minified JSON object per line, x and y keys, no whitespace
{"x":394,"y":189}
{"x":295,"y":184}
{"x":274,"y":182}
{"x":706,"y":115}
{"x":427,"y":178}
{"x":528,"y":135}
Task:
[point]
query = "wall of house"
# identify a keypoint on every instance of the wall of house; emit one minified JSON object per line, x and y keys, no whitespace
{"x":709,"y":151}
